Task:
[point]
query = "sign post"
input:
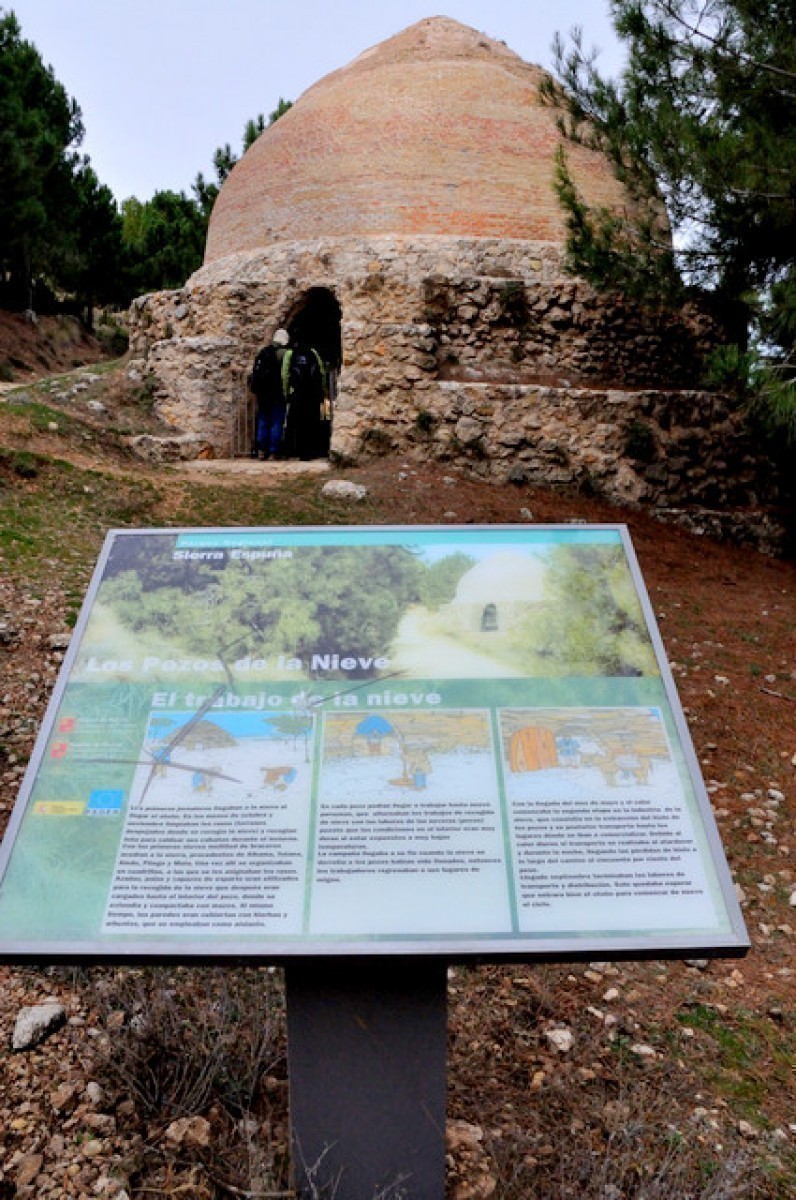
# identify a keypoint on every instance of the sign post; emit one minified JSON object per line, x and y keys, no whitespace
{"x":366,"y":1049}
{"x":363,"y":753}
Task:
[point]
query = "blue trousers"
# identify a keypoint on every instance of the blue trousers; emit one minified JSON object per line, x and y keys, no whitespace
{"x":269,"y":427}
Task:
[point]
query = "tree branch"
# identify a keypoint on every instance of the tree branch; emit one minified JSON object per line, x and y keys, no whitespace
{"x":738,"y":55}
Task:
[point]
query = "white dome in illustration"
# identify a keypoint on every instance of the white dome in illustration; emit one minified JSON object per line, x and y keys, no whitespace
{"x":506,"y":576}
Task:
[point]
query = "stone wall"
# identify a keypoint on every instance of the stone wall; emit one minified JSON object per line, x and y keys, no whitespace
{"x":475,"y":351}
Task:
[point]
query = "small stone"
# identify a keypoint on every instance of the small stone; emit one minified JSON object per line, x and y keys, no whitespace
{"x":746,"y":1130}
{"x":189,"y":1131}
{"x":94,"y":1093}
{"x":342,"y":489}
{"x":62,"y":1095}
{"x":28,"y":1168}
{"x":462,"y":1135}
{"x":35,"y":1023}
{"x":642,"y":1050}
{"x":561,"y":1039}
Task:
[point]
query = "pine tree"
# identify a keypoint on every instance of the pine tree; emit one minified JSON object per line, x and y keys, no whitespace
{"x":92,"y":249}
{"x":40,"y":128}
{"x":701,"y":130}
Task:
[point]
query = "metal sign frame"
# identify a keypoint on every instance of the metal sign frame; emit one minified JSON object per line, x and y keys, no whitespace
{"x":486,"y":712}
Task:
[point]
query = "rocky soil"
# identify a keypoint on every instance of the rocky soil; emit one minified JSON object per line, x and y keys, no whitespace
{"x":33,"y":346}
{"x":617,"y":1081}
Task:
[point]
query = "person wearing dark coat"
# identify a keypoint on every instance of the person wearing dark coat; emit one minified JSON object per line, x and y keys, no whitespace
{"x":266,"y":382}
{"x":304,"y":379}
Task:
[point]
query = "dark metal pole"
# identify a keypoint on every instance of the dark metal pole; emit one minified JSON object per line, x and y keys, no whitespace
{"x":366,"y":1054}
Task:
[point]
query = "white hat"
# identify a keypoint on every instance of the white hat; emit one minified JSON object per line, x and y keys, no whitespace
{"x":281,"y":338}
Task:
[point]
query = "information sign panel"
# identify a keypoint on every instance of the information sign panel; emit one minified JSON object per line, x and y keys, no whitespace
{"x":445,"y":741}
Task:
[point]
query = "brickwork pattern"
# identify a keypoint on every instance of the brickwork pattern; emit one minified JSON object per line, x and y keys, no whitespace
{"x":438,"y":130}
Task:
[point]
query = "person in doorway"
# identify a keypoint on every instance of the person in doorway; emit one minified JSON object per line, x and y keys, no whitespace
{"x":304,"y":380}
{"x":266,"y":384}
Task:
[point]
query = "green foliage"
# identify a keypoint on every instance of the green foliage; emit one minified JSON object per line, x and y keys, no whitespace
{"x":21,"y":462}
{"x":425,"y":421}
{"x":92,"y":255}
{"x":280,"y":110}
{"x":40,"y":126}
{"x":640,"y":442}
{"x":252,"y":131}
{"x":60,"y":228}
{"x":631,"y":257}
{"x":440,"y":579}
{"x":164,"y":240}
{"x":113,"y":337}
{"x":590,"y":621}
{"x":701,"y":131}
{"x":513,"y":300}
{"x":312,"y":603}
{"x":377,"y":440}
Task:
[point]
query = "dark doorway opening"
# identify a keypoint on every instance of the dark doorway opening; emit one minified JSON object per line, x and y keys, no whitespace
{"x":315,"y":321}
{"x":489,"y":619}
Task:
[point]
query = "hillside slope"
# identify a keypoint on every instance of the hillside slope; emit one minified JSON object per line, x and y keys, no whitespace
{"x":678,"y":1079}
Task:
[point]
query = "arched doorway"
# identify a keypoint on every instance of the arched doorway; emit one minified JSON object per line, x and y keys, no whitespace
{"x":315,"y":320}
{"x":489,"y":619}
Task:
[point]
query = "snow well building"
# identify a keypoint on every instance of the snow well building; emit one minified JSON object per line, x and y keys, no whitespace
{"x":402,"y":217}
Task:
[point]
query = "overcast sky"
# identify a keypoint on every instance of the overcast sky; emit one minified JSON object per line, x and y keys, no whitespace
{"x":162,"y":83}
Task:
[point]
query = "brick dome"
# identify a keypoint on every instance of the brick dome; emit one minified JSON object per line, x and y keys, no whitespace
{"x":438,"y":130}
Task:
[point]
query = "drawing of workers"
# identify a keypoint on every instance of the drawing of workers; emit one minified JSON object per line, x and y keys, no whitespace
{"x":633,"y":766}
{"x":568,"y":751}
{"x":200,"y":782}
{"x":590,"y":752}
{"x":278,"y":778}
{"x":418,"y":767}
{"x":162,"y":758}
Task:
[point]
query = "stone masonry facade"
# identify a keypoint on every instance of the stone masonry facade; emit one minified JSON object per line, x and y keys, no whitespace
{"x":478,"y":352}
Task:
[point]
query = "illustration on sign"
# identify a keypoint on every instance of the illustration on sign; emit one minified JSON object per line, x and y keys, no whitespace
{"x":291,"y":741}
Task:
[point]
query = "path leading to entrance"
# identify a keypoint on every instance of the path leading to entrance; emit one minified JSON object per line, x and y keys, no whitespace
{"x":214,"y":468}
{"x":420,"y":652}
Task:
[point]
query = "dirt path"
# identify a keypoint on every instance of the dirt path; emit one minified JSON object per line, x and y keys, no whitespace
{"x":422,"y":652}
{"x":230,"y":470}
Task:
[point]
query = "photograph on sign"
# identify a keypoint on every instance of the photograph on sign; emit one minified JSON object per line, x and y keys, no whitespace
{"x":272,"y":742}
